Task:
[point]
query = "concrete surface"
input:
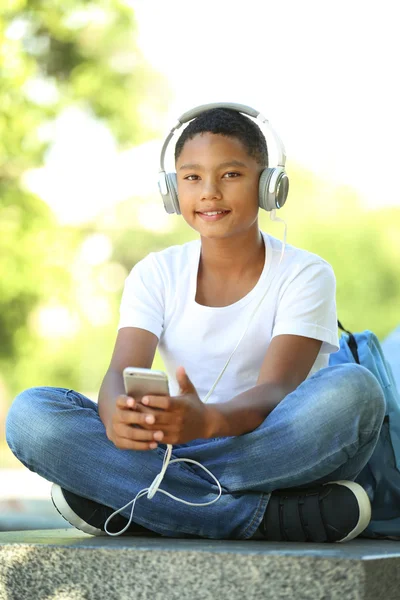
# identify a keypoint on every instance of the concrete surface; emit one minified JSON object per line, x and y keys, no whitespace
{"x":66,"y":564}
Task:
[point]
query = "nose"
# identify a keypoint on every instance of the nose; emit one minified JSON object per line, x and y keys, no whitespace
{"x":210,"y":189}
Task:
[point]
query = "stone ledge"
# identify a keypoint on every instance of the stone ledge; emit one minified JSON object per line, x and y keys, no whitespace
{"x":66,"y":564}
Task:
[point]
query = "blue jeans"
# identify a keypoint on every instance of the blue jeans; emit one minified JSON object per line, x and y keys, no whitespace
{"x":324,"y":430}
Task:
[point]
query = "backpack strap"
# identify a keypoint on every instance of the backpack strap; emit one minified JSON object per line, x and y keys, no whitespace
{"x":351,"y":342}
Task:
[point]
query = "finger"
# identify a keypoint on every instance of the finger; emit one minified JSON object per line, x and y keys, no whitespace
{"x":166,"y":435}
{"x":163,"y":402}
{"x":142,"y":408}
{"x":185,"y":385}
{"x":126,"y":436}
{"x":125,"y":402}
{"x":126,"y":444}
{"x":134,"y":417}
{"x":169,"y":438}
{"x":139,"y":435}
{"x":163,"y":424}
{"x":161,"y":417}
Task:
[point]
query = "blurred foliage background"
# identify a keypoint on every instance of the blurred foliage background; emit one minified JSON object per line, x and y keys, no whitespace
{"x":60,"y":285}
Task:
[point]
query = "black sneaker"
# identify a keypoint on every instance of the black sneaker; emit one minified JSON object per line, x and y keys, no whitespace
{"x":90,"y":516}
{"x":337,"y":511}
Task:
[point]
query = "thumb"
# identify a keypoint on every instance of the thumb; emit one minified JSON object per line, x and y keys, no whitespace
{"x":185,"y":384}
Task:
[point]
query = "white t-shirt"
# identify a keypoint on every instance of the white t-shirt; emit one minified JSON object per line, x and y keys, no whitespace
{"x":159,"y":296}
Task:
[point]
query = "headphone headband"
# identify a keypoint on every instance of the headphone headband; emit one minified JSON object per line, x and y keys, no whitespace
{"x":242,"y":108}
{"x":195,"y":112}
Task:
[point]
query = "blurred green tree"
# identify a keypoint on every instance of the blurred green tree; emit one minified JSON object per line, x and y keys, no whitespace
{"x":54,"y":55}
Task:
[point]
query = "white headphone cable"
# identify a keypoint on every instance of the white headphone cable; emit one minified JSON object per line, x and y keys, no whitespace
{"x":155,"y":485}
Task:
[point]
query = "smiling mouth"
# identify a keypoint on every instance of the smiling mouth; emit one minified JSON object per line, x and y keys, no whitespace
{"x":212,"y":213}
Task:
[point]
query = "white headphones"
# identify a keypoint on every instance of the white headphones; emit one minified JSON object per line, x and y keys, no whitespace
{"x":273,"y":185}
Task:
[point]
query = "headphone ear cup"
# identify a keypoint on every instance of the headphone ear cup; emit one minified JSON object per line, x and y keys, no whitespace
{"x":264,"y":197}
{"x":169,"y":192}
{"x":273,"y":188}
{"x":173,"y":192}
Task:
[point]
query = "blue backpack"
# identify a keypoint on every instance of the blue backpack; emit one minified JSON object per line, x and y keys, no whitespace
{"x":381,"y":475}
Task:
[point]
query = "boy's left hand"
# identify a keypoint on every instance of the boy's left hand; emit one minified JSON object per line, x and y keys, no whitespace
{"x":178,"y":419}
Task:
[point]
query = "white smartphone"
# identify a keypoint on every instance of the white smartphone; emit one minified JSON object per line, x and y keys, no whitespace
{"x":139,"y":382}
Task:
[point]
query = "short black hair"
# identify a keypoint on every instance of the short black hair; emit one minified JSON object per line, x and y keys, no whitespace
{"x":230,"y":123}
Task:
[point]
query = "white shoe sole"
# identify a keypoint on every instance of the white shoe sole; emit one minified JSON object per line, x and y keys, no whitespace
{"x":364,"y":507}
{"x":68,"y":514}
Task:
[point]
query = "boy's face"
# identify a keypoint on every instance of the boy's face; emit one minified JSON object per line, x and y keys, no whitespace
{"x":215,"y":173}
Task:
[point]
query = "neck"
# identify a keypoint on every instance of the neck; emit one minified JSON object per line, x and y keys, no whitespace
{"x":231,"y":256}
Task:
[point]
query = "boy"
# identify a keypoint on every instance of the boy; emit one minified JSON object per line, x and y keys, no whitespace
{"x":284,"y":434}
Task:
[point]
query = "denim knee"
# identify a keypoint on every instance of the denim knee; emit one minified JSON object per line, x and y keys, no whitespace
{"x":26,"y":426}
{"x":359,"y":388}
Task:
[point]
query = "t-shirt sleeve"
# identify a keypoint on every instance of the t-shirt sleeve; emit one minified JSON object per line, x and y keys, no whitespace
{"x":307,"y":306}
{"x":142,"y":303}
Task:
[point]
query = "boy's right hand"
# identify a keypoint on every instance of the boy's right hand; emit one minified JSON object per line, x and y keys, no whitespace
{"x":130,"y":425}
